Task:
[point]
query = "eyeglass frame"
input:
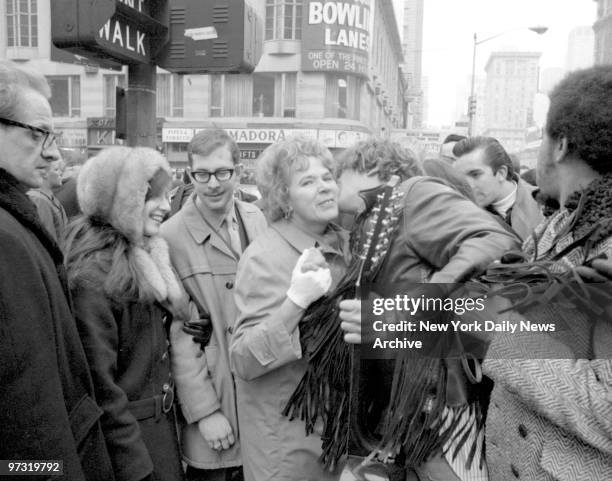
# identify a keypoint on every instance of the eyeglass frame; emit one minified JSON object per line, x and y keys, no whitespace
{"x":48,"y":134}
{"x":211,"y":174}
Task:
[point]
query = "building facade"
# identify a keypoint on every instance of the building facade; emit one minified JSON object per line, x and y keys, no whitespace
{"x":327,"y":69}
{"x":580,"y":48}
{"x":413,"y":60}
{"x":603,"y":32}
{"x":512,"y":82}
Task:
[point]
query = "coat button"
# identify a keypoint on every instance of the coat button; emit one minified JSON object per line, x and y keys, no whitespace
{"x":522,"y":430}
{"x":514,"y":470}
{"x":229,"y":284}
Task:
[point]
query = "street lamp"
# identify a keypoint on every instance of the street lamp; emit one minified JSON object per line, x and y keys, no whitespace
{"x":472,"y":100}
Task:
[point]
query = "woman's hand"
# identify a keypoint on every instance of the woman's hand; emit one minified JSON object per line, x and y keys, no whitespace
{"x":350,"y":315}
{"x":217,"y":431}
{"x":309,"y":279}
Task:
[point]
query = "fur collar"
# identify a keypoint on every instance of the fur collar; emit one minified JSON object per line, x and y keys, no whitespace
{"x":14,"y":200}
{"x":152,"y":262}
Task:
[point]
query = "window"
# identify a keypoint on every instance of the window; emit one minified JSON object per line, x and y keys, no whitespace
{"x":342,"y":96}
{"x":110,"y":82}
{"x":65,"y":95}
{"x":21,"y":23}
{"x":283,"y":19}
{"x":230,"y":94}
{"x":169,"y":95}
{"x":274,"y":95}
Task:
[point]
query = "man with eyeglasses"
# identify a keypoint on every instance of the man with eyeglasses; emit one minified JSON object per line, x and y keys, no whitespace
{"x":47,"y":403}
{"x":206,"y":239}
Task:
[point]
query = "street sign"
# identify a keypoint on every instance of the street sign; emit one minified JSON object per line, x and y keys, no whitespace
{"x":121,"y":31}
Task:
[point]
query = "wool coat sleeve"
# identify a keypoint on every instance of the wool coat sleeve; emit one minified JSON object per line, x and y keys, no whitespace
{"x":575,"y":394}
{"x":100,"y":335}
{"x":452,"y":233}
{"x":261,"y":342}
{"x":195,"y":388}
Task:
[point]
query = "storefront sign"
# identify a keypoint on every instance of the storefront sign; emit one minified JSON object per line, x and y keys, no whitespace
{"x":336,"y":36}
{"x":179,"y":135}
{"x":72,"y":138}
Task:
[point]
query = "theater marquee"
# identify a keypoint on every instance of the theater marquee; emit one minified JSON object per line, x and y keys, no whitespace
{"x":336,"y":36}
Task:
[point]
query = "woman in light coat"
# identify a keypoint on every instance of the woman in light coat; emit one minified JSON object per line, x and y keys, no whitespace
{"x":272,"y":291}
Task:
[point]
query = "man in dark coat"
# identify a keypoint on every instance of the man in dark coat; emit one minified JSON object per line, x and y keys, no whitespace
{"x":47,"y":407}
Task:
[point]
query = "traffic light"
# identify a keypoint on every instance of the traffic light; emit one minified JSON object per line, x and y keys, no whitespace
{"x":472,"y":106}
{"x":222,"y":36}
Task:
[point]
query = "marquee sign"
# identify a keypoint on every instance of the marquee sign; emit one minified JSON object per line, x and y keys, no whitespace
{"x":336,"y":36}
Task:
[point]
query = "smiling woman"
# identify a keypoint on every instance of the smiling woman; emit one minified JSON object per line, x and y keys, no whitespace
{"x":279,"y":275}
{"x":124,"y":293}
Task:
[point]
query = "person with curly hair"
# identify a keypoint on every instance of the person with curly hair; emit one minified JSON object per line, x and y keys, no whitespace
{"x":441,"y":238}
{"x":294,"y":262}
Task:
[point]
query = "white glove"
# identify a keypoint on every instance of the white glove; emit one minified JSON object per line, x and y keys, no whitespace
{"x":307,"y":287}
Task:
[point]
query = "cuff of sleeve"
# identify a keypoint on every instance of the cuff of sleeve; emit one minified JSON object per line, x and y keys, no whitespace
{"x":194,"y":412}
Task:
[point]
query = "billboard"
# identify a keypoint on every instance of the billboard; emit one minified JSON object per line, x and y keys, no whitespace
{"x":336,"y":36}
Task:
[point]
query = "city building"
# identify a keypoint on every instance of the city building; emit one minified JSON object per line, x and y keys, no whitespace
{"x":580,"y":48}
{"x":512,"y":82}
{"x":327,"y":69}
{"x":603,"y":32}
{"x":413,"y":60}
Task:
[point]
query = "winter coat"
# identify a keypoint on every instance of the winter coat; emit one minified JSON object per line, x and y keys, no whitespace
{"x":442,"y":238}
{"x":47,"y":397}
{"x":127,"y":347}
{"x":207,"y":269}
{"x":267,"y":360}
{"x":550,"y":416}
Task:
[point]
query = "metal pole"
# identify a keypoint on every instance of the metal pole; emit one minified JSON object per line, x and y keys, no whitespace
{"x":141,"y":106}
{"x":470,"y":100}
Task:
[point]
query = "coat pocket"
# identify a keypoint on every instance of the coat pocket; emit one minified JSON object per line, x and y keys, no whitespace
{"x":83,"y":417}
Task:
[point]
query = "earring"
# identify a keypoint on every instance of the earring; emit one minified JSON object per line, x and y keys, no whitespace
{"x":288,"y":213}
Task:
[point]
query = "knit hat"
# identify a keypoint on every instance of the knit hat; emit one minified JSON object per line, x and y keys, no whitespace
{"x":112,"y":187}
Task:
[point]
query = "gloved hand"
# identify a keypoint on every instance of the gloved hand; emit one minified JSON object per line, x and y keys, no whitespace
{"x":307,"y":285}
{"x":199,"y":329}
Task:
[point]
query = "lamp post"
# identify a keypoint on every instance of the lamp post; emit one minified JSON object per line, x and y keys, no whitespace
{"x":472,"y":100}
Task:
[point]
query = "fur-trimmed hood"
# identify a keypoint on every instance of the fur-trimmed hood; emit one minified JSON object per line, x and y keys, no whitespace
{"x":112,"y":188}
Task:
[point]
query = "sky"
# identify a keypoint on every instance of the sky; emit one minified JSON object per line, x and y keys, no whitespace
{"x":449,"y":26}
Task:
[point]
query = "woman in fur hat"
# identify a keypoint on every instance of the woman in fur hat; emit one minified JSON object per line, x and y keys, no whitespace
{"x":124,"y":291}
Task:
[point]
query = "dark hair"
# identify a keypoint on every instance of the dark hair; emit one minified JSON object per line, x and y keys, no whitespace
{"x":385,"y":156}
{"x":443,"y":170}
{"x":208,"y":140}
{"x":453,"y":138}
{"x":495,"y":155}
{"x":581,"y":111}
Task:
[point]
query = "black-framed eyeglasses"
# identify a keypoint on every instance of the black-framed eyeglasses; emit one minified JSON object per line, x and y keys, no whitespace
{"x":203,"y":177}
{"x":38,"y":133}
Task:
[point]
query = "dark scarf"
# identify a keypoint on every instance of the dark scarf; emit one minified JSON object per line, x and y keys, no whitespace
{"x":14,"y":200}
